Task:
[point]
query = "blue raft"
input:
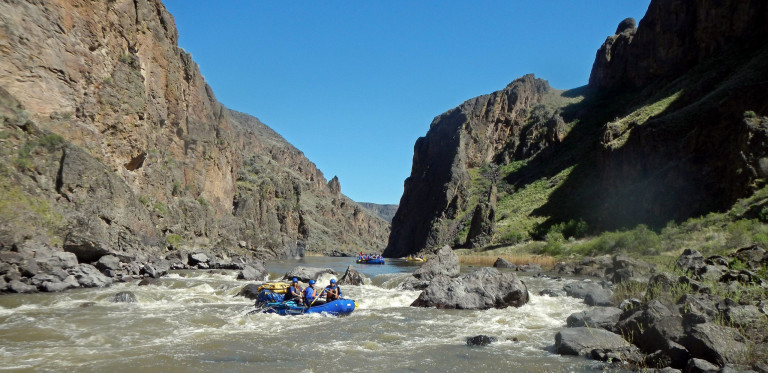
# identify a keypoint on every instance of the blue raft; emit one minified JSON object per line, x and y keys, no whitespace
{"x":371,"y":261}
{"x":339,"y":307}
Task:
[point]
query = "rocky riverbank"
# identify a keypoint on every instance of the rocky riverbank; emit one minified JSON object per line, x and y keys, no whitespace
{"x":706,"y":314}
{"x":34,"y":267}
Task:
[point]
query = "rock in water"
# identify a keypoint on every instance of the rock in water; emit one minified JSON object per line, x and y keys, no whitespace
{"x":445,"y":263}
{"x":253,"y":272}
{"x":250,"y":291}
{"x":480,"y":340}
{"x":124,"y":297}
{"x":305,"y":274}
{"x":581,"y":341}
{"x":503,"y":263}
{"x":88,"y":276}
{"x":352,"y":277}
{"x":483,"y":289}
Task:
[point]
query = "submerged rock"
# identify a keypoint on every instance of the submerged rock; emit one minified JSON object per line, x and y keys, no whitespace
{"x":480,"y":340}
{"x":124,"y":297}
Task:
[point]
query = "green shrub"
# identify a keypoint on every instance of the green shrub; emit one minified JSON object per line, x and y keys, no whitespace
{"x":51,"y":141}
{"x":512,"y":237}
{"x":173,"y":239}
{"x":144,"y":200}
{"x":160,"y":207}
{"x":640,"y":240}
{"x":573,"y":228}
{"x":202,"y":202}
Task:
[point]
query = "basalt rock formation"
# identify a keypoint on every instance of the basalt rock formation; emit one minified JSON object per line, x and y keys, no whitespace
{"x":112,"y":143}
{"x":672,"y":125}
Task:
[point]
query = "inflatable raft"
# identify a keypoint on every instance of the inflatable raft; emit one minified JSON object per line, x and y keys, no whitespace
{"x":339,"y":307}
{"x":371,"y":261}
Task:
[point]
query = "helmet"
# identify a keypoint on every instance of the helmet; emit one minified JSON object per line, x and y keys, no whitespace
{"x":333,"y":281}
{"x":295,"y":279}
{"x":311,"y":282}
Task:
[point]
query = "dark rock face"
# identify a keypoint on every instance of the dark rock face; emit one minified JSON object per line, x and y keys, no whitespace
{"x":477,"y":131}
{"x":481,"y":227}
{"x":352,"y":277}
{"x":674,"y":36}
{"x":483,"y":289}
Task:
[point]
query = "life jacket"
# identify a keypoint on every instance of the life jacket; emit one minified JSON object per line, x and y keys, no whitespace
{"x":309,"y":294}
{"x":335,"y":288}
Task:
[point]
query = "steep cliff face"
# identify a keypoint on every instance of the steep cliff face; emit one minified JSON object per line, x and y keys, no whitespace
{"x":507,"y":125}
{"x":672,"y":125}
{"x":692,"y":139}
{"x":109,"y":126}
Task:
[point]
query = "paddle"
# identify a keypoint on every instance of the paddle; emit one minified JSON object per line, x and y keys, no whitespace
{"x":318,"y":296}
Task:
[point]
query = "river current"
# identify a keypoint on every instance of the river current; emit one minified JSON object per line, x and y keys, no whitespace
{"x":192,"y":321}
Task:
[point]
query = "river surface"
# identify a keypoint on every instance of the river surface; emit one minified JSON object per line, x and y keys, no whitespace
{"x":192,"y":321}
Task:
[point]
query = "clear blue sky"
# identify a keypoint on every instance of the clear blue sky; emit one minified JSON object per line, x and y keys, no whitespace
{"x":353,"y":84}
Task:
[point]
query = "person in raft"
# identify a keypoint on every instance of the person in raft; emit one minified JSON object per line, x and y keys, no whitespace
{"x":332,"y":291}
{"x":294,"y":292}
{"x":310,"y":295}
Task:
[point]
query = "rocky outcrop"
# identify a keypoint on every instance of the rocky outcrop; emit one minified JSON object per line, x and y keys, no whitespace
{"x":496,"y":127}
{"x":583,"y":341}
{"x":113,"y":144}
{"x":352,"y":277}
{"x":483,"y":289}
{"x":637,"y":149}
{"x":674,"y":36}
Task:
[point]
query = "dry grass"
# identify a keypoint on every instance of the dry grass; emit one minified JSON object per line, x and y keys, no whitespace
{"x":546,"y":262}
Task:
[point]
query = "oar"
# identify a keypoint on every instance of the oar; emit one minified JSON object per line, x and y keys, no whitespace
{"x":318,"y":296}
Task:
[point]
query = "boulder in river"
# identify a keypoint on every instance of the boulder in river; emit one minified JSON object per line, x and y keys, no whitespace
{"x":305,"y":274}
{"x":480,"y":340}
{"x":597,"y":317}
{"x":352,"y":277}
{"x":250,"y":291}
{"x":483,"y":289}
{"x":582,"y":341}
{"x":124,"y":297}
{"x":598,"y":293}
{"x":254,"y":271}
{"x":88,"y":276}
{"x":445,"y":263}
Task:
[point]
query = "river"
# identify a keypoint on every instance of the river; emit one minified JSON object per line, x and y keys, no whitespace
{"x":192,"y":321}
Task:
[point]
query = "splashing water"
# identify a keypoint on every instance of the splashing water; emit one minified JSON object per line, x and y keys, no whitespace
{"x":192,"y":321}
